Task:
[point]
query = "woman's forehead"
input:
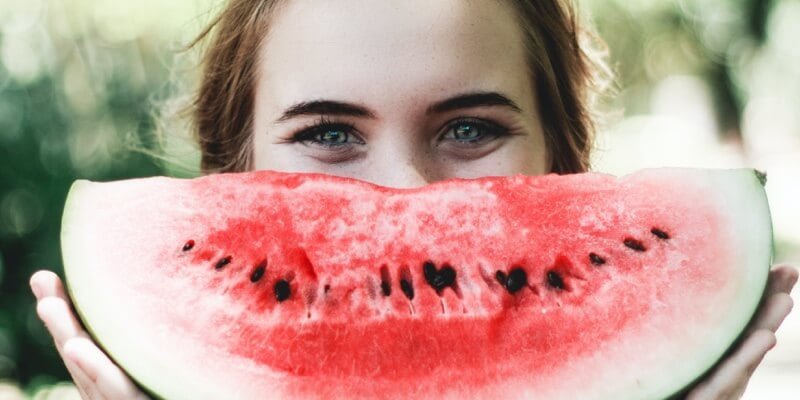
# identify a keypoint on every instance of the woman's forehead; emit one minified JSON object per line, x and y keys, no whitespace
{"x":391,"y":52}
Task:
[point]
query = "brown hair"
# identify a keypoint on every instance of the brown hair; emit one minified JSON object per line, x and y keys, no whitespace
{"x":566,"y":73}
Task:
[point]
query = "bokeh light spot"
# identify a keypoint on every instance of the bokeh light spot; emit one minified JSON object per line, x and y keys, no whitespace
{"x":92,"y":147}
{"x":58,"y":391}
{"x":11,"y":115}
{"x":10,"y":391}
{"x":20,"y":212}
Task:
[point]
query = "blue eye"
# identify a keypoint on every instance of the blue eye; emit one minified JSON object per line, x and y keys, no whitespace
{"x":474,"y":131}
{"x":466,"y":132}
{"x":326,"y":134}
{"x":333,"y":136}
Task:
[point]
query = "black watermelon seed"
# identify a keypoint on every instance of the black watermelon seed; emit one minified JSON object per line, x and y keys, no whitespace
{"x":258,"y":273}
{"x":596,"y":260}
{"x":386,"y":288}
{"x":188,"y":246}
{"x":447,"y":276}
{"x":659,"y":233}
{"x":440,"y":279}
{"x":223,"y":262}
{"x":429,"y":270}
{"x":501,"y":278}
{"x":634,"y":244}
{"x":517,"y":279}
{"x":555,"y":280}
{"x":282,"y":290}
{"x":386,"y":281}
{"x":407,"y":289}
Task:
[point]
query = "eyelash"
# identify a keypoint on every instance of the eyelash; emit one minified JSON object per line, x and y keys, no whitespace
{"x":489,"y":130}
{"x":324,"y":124}
{"x":309,"y":134}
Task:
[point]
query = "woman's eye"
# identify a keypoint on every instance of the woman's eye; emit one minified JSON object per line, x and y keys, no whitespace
{"x":473,"y":132}
{"x":333,"y":136}
{"x":327,"y":135}
{"x":466,"y":132}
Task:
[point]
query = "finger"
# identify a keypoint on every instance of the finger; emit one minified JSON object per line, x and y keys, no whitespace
{"x":752,"y":352}
{"x":782,"y":279}
{"x":772,"y":313}
{"x":46,"y":284}
{"x":110,"y":381}
{"x":85,"y":386}
{"x":733,"y":373}
{"x":59,"y":320}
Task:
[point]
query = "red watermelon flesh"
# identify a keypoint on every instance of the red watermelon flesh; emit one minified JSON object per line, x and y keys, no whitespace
{"x":274,"y":285}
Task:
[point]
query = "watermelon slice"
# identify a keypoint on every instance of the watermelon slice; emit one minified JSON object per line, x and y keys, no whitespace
{"x":305,"y":286}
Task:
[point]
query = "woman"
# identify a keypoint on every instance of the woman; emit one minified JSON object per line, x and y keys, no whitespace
{"x":399,"y":93}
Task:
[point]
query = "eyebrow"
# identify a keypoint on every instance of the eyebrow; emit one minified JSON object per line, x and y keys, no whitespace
{"x":325,"y":107}
{"x":339,"y":108}
{"x":470,"y":100}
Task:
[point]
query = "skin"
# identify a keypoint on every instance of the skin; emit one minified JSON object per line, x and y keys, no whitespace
{"x":405,"y":66}
{"x":392,"y":69}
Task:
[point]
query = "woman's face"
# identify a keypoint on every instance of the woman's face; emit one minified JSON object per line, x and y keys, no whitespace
{"x":400,"y":93}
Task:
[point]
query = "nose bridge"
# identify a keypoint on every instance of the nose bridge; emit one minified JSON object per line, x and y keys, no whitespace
{"x":409,"y":175}
{"x":401,"y":166}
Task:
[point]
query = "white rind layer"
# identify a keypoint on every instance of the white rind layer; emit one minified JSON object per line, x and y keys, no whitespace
{"x":95,"y":304}
{"x":742,"y":193}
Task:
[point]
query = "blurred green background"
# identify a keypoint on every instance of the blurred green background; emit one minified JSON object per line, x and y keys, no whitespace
{"x":704,"y":83}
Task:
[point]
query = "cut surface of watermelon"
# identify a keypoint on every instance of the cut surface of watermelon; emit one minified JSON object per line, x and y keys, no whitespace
{"x":273,"y":285}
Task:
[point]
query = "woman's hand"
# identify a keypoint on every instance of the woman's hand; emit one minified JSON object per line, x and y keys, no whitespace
{"x":95,"y":375}
{"x":729,"y":378}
